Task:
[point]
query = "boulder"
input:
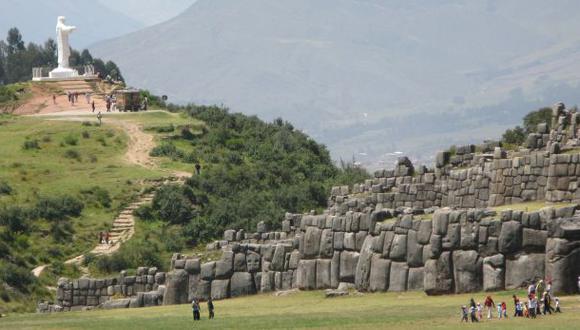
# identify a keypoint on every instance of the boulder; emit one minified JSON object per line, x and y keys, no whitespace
{"x":242,"y":284}
{"x":424,"y":232}
{"x":267,"y":281}
{"x":379,"y":276}
{"x":534,"y":239}
{"x":220,"y":289}
{"x":192,"y":266}
{"x":323,"y":270}
{"x":240,"y":262}
{"x":563,"y":264}
{"x":398,"y":276}
{"x":294,"y":259}
{"x":440,"y":222}
{"x":436,"y":244}
{"x":208,"y":271}
{"x":306,"y":275}
{"x":387,"y":243}
{"x":414,"y":250}
{"x":348,"y":262}
{"x":278,"y":258}
{"x":438,"y":278}
{"x":311,"y":246}
{"x":415,"y":281}
{"x":398,"y":251}
{"x":152,"y":298}
{"x":253,"y":262}
{"x":363,"y":266}
{"x":523,"y":269}
{"x":349,"y":241}
{"x":467,"y":271}
{"x":453,"y":238}
{"x":494,"y":273}
{"x":326,"y":243}
{"x":510,"y":237}
{"x":176,"y":290}
{"x":193,"y":282}
{"x":117,"y":303}
{"x":469,"y":235}
{"x":230,"y":235}
{"x":335,"y":269}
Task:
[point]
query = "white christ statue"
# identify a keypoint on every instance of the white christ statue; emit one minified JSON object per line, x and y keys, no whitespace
{"x":62,"y":33}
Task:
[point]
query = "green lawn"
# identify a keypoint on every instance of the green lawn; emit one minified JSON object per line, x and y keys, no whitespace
{"x":410,"y":310}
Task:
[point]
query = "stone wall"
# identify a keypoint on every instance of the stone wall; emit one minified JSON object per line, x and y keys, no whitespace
{"x":146,"y":288}
{"x":454,"y":252}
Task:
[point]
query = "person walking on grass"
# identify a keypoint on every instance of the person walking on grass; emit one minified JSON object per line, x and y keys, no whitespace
{"x":489,"y":305}
{"x":479,"y":311}
{"x":464,"y":314}
{"x":557,"y":301}
{"x":210,"y":308}
{"x":533,"y":305}
{"x":547,"y":304}
{"x":504,"y":309}
{"x":195,"y":309}
{"x":93,"y":105}
{"x":53,"y":99}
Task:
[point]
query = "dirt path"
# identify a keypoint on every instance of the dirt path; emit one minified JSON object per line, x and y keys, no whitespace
{"x":138,"y":149}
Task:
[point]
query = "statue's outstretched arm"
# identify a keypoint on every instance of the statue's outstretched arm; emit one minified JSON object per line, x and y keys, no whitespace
{"x":68,"y":28}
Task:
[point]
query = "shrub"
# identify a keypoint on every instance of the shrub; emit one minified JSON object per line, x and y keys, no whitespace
{"x":186,"y":133}
{"x":167,"y":150}
{"x":61,"y":231}
{"x":71,"y":140}
{"x":133,"y":254}
{"x":86,"y":135}
{"x":46,"y":139}
{"x":57,"y":208}
{"x":110,"y":133}
{"x":162,"y":129}
{"x":5,"y":188}
{"x":102,"y":141}
{"x":72,"y":154}
{"x":31,"y":144}
{"x":144,"y":212}
{"x":173,"y":204}
{"x":87,"y":123}
{"x":15,"y":276}
{"x":98,"y":195}
{"x":515,"y":136}
{"x":15,"y":218}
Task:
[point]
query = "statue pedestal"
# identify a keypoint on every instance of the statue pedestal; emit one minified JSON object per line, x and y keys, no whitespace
{"x":63,"y":73}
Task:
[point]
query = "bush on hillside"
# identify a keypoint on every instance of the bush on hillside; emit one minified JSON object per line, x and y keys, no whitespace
{"x":532,"y":119}
{"x":57,"y":208}
{"x":515,"y":136}
{"x":174,"y":204}
{"x":31,"y":145}
{"x":72,"y":154}
{"x":5,"y":188}
{"x":133,"y":254}
{"x":15,"y":218}
{"x":144,"y":212}
{"x":71,"y":140}
{"x":16,"y":277}
{"x":97,"y":196}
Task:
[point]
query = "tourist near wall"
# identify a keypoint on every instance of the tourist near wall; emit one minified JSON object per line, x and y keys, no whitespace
{"x":375,"y":236}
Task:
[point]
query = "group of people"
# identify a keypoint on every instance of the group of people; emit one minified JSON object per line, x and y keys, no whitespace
{"x":111,"y":102}
{"x":197,"y":309}
{"x":105,"y":238}
{"x":539,"y":301}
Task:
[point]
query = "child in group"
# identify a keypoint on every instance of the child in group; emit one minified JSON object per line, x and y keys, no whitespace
{"x":557,"y":300}
{"x":526,"y":311}
{"x":519,"y":309}
{"x":504,"y":309}
{"x":499,"y":310}
{"x":479,"y":311}
{"x":533,"y":305}
{"x":472,"y":310}
{"x":464,"y":314}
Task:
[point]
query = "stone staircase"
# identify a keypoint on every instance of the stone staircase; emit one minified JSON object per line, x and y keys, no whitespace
{"x":78,"y":86}
{"x":123,"y":227}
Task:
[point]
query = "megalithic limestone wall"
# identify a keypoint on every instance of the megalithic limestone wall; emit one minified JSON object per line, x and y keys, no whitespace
{"x":456,"y":251}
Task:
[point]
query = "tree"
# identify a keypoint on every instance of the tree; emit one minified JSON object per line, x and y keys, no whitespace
{"x":75,"y":58}
{"x":14,"y":40}
{"x":50,"y":53}
{"x":86,"y":57}
{"x":113,"y":70}
{"x":515,"y":136}
{"x":532,"y":119}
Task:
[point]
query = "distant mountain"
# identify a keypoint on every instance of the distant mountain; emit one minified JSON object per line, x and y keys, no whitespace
{"x":36,"y":20}
{"x":367,"y":77}
{"x":148,"y":12}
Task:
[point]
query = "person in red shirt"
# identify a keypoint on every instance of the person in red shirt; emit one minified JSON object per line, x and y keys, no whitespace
{"x":489,"y":304}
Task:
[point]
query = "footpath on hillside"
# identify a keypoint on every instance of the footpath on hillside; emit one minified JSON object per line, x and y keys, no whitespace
{"x":138,"y":149}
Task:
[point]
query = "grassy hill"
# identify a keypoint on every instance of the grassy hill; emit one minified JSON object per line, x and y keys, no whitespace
{"x":407,"y":310}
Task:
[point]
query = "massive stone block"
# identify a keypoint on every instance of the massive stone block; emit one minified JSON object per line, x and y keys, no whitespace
{"x":469,"y":235}
{"x":348,"y":262}
{"x":240,"y":262}
{"x":510,"y":238}
{"x":534,"y":239}
{"x":563,"y":264}
{"x":311,"y":243}
{"x":440,"y":222}
{"x":494,"y":273}
{"x":306,"y":278}
{"x":414,"y":250}
{"x":424,"y":232}
{"x":193,"y":282}
{"x":523,"y":269}
{"x":203,"y":290}
{"x":335,"y":270}
{"x":208,"y":271}
{"x":220,"y":289}
{"x":439,"y":275}
{"x":224,"y":268}
{"x":416,"y":279}
{"x":192,"y":266}
{"x":349,"y":241}
{"x":278,"y":258}
{"x":176,"y":291}
{"x":267,"y":281}
{"x":398,"y":251}
{"x":467,"y":271}
{"x":327,"y":243}
{"x":453,"y":238}
{"x":363,"y":266}
{"x":253,"y":262}
{"x":398,"y":276}
{"x":323,"y":276}
{"x":380,"y":274}
{"x":387,"y":243}
{"x":242,"y":284}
